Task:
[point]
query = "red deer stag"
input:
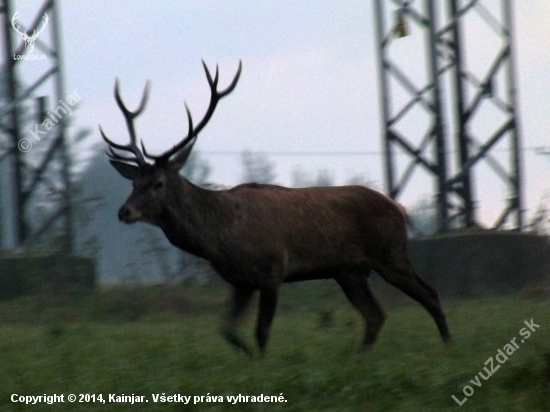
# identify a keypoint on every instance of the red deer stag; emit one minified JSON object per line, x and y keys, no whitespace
{"x":259,"y":236}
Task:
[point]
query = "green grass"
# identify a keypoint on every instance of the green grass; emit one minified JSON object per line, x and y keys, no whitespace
{"x":81,"y":345}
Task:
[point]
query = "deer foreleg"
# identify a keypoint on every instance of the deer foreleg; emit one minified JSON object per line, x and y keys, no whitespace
{"x":238,"y":303}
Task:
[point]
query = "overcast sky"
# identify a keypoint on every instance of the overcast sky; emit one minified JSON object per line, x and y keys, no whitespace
{"x":309,"y":82}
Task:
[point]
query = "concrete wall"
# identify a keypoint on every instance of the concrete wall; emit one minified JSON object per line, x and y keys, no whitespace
{"x":474,"y":263}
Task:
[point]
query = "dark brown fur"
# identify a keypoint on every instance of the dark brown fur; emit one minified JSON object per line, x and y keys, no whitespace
{"x":260,"y":236}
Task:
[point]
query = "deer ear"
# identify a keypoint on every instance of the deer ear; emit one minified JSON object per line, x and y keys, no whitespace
{"x":126,"y":170}
{"x":181,"y":157}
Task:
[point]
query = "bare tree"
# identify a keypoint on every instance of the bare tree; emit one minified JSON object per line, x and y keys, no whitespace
{"x":257,"y":168}
{"x":423,"y":218}
{"x":300,"y":178}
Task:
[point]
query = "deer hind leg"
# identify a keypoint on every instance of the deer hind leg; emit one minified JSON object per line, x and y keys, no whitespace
{"x":238,"y":303}
{"x":356,"y":289}
{"x":268,"y":305}
{"x":403,"y":277}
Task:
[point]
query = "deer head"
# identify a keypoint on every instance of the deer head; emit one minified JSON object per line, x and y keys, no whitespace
{"x":155,"y":178}
{"x":29,"y":40}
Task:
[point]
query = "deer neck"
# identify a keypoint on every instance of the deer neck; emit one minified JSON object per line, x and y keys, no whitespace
{"x":194,"y":218}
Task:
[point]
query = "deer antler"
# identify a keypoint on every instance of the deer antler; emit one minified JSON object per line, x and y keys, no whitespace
{"x":129,"y":116}
{"x":36,"y":32}
{"x":215,"y":97}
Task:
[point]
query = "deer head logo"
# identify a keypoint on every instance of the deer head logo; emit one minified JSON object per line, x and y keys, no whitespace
{"x":29,"y":40}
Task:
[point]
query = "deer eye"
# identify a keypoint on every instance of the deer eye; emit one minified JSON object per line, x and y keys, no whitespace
{"x":158,"y":184}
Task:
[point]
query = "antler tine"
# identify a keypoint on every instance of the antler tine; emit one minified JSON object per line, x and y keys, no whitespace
{"x":215,"y":96}
{"x":189,"y":137}
{"x":147,"y":155}
{"x":213,"y":83}
{"x":122,"y":106}
{"x":115,"y":156}
{"x":232,"y":85}
{"x":129,"y":116}
{"x":108,"y":141}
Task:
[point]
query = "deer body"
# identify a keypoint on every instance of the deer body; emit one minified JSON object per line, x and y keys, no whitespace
{"x":260,"y":236}
{"x":308,"y":233}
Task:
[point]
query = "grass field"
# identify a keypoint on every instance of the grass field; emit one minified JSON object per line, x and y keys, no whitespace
{"x":162,"y":342}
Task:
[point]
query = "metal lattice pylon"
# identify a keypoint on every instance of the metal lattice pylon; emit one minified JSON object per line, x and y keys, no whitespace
{"x":25,"y":81}
{"x":445,"y":54}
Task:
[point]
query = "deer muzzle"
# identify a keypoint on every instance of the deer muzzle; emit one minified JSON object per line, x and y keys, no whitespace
{"x":128,"y":214}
